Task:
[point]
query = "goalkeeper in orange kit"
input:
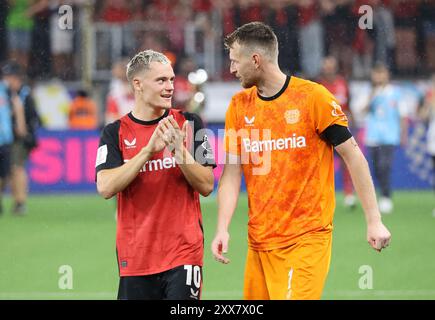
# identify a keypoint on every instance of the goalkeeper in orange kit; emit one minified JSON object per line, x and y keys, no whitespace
{"x":280,"y":131}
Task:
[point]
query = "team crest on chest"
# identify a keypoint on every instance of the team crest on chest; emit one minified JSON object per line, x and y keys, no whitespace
{"x":292,"y":116}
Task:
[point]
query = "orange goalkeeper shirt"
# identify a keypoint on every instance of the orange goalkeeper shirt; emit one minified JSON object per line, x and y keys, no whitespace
{"x":287,"y":165}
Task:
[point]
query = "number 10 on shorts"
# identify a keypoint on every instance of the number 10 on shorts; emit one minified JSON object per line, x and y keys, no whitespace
{"x":193,"y":273}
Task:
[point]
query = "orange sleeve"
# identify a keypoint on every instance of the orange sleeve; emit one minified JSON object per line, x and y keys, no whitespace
{"x":231,"y":139}
{"x":326,"y":110}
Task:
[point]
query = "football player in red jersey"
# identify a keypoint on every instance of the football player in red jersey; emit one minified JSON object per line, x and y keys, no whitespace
{"x":147,"y":160}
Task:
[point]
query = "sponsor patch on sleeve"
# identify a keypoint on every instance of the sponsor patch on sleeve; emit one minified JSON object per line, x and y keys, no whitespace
{"x":101,"y":155}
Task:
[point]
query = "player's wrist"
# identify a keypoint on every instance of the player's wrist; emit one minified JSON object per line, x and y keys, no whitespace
{"x":178,"y":146}
{"x":179,"y":154}
{"x":146,"y":152}
{"x":222,"y":228}
{"x":374,"y":218}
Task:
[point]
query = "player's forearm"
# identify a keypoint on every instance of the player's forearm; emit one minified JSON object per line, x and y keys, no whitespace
{"x":112,"y":181}
{"x":359,"y":170}
{"x":199,"y":177}
{"x":228,"y":194}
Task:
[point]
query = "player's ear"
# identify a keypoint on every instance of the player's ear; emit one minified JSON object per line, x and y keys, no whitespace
{"x":256,"y":60}
{"x":137,"y":85}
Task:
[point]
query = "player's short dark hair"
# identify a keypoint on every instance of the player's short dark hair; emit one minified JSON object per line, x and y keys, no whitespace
{"x":254,"y":34}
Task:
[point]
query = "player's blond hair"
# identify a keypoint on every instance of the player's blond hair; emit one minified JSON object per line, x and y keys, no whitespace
{"x":142,"y":60}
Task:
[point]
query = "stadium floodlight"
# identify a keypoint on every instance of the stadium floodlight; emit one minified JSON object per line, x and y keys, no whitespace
{"x":201,"y":75}
{"x":198,"y":77}
{"x":199,"y":97}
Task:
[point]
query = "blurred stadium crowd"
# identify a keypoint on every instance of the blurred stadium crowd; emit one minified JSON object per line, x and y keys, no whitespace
{"x":307,"y":29}
{"x":88,"y":60}
{"x":104,"y":33}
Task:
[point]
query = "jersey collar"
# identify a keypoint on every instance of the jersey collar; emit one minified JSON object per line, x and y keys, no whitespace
{"x":150,"y":122}
{"x":280,"y":92}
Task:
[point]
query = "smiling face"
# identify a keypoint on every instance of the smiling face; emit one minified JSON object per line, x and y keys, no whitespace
{"x":155,"y":86}
{"x":243,"y":66}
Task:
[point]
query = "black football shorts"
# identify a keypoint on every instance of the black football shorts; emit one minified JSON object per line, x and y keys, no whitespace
{"x":5,"y":161}
{"x":180,"y":283}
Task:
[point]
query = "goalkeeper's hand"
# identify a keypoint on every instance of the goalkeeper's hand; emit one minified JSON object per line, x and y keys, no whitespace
{"x":219,"y":246}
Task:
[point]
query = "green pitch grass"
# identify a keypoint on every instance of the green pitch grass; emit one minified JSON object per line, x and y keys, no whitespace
{"x":79,"y":231}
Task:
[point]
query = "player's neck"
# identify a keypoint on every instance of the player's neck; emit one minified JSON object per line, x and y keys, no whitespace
{"x":147,"y":113}
{"x":272,"y":82}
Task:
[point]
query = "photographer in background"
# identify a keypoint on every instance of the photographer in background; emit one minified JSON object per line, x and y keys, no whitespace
{"x":25,"y":139}
{"x":427,"y":114}
{"x":386,"y":129}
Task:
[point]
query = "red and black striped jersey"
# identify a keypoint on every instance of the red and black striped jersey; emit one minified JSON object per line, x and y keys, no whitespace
{"x":159,"y":222}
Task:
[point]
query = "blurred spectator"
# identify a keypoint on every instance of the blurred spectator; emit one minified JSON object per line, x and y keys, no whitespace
{"x":307,"y":30}
{"x":229,"y":13}
{"x":40,"y":53}
{"x":383,"y":34}
{"x":427,"y":114}
{"x":61,"y":43}
{"x":362,"y":46}
{"x":115,"y":11}
{"x":25,"y":138}
{"x":311,"y":38}
{"x":115,"y":16}
{"x":338,"y":86}
{"x":19,"y":25}
{"x":6,"y":138}
{"x":4,"y":9}
{"x":52,"y":99}
{"x":120,"y":99}
{"x":338,"y":20}
{"x":155,"y":13}
{"x":251,"y":10}
{"x":184,"y":90}
{"x":83,"y":113}
{"x":202,"y":6}
{"x":386,"y":129}
{"x":283,"y":18}
{"x":176,"y":19}
{"x":230,"y":20}
{"x":160,"y":43}
{"x":426,"y":35}
{"x":406,"y":14}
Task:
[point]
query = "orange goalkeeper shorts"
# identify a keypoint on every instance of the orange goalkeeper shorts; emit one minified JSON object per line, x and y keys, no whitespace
{"x":297,"y":272}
